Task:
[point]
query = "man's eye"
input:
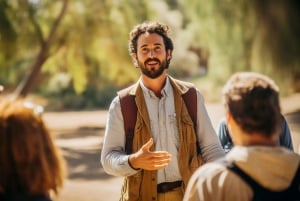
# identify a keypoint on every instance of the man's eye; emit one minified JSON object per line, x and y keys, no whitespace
{"x":145,"y":50}
{"x":157,"y":49}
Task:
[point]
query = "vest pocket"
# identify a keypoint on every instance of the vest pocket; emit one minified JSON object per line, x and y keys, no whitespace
{"x":174,"y":129}
{"x":131,"y":187}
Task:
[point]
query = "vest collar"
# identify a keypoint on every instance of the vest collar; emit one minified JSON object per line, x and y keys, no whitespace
{"x":181,"y":86}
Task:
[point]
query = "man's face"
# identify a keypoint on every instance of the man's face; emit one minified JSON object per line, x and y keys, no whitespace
{"x":151,"y":55}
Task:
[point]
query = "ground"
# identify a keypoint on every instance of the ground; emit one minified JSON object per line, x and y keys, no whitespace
{"x":80,"y":135}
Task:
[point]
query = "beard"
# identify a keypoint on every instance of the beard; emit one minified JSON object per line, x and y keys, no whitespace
{"x":152,"y":72}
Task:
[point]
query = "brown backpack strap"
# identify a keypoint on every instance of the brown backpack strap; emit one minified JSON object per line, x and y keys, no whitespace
{"x":190,"y":99}
{"x":129,"y":112}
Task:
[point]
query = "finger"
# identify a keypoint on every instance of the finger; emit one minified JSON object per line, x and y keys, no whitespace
{"x":160,"y":166}
{"x":163,"y":161}
{"x":155,"y":161}
{"x":146,"y":147}
{"x":157,"y":166}
{"x":160,"y":154}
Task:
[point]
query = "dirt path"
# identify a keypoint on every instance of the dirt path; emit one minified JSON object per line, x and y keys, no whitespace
{"x":80,"y":135}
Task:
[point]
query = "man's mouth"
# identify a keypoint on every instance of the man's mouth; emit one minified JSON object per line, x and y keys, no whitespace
{"x":152,"y":62}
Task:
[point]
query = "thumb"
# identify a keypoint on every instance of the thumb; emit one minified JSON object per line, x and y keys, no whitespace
{"x":146,"y":147}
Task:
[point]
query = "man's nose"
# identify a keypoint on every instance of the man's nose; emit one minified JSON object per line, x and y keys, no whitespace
{"x":151,"y":53}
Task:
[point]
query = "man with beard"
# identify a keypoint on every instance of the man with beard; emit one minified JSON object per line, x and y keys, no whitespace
{"x":164,"y":151}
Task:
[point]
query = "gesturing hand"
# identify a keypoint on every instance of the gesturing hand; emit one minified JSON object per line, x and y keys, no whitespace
{"x":147,"y":160}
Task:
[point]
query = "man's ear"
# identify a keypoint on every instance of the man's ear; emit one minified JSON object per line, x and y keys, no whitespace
{"x":169,"y":55}
{"x":134,"y":59}
{"x":233,"y":128}
{"x":227,"y":116}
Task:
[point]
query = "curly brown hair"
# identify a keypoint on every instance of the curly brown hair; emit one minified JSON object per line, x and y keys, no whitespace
{"x":253,"y":101}
{"x":30,"y":163}
{"x":150,"y":27}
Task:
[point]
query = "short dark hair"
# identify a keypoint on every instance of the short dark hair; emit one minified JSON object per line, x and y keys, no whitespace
{"x":253,"y":101}
{"x":150,"y":27}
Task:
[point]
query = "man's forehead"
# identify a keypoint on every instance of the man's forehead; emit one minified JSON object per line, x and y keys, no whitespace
{"x":150,"y":38}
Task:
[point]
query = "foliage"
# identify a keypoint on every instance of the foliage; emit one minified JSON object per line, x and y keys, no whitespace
{"x":88,"y":60}
{"x":258,"y":35}
{"x":90,"y":44}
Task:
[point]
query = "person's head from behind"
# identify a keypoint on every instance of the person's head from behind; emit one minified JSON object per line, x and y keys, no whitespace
{"x":150,"y":47}
{"x":252,"y":108}
{"x":30,"y":163}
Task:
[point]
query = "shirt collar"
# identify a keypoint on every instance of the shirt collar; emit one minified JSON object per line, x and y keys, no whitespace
{"x":165,"y":91}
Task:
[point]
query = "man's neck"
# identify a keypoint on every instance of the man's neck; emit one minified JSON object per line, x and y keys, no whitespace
{"x":240,"y":137}
{"x":259,"y":139}
{"x":155,"y":85}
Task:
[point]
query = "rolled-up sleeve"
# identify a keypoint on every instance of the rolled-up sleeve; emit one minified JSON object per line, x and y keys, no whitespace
{"x":210,"y":146}
{"x":113,"y":156}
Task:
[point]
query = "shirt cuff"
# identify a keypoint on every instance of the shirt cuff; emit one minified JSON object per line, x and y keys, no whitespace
{"x":127,"y":165}
{"x":137,"y":169}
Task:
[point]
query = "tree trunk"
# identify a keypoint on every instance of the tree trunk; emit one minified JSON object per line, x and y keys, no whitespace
{"x":30,"y":81}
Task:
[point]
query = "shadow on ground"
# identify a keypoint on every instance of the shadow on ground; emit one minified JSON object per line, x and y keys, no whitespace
{"x":81,"y":149}
{"x":84,"y":164}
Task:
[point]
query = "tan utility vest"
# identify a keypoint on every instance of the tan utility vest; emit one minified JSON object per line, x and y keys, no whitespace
{"x":142,"y":186}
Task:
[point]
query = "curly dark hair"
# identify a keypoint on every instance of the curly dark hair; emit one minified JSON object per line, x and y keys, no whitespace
{"x":253,"y":101}
{"x":150,"y":27}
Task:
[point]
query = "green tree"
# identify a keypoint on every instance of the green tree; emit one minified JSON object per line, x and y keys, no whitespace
{"x":85,"y":39}
{"x":258,"y":35}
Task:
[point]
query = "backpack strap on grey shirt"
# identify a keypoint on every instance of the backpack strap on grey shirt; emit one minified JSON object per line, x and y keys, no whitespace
{"x":292,"y":193}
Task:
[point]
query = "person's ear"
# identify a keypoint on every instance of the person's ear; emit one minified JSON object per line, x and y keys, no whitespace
{"x":233,"y":128}
{"x":229,"y":120}
{"x":134,"y":59}
{"x":227,"y":116}
{"x":169,"y":55}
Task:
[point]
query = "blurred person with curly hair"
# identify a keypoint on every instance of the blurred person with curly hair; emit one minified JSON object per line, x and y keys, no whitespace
{"x":31,"y":166}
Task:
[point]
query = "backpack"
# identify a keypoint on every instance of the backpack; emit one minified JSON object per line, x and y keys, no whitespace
{"x":292,"y":193}
{"x":129,"y":112}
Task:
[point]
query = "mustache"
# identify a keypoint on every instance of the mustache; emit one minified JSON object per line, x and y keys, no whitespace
{"x":153,"y":59}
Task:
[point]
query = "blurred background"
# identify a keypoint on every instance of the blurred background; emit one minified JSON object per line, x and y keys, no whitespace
{"x":71,"y":57}
{"x":73,"y":54}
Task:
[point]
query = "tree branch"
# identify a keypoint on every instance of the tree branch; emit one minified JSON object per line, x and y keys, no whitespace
{"x":29,"y":82}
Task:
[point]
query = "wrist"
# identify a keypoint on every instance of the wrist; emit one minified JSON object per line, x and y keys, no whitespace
{"x":130,"y":159}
